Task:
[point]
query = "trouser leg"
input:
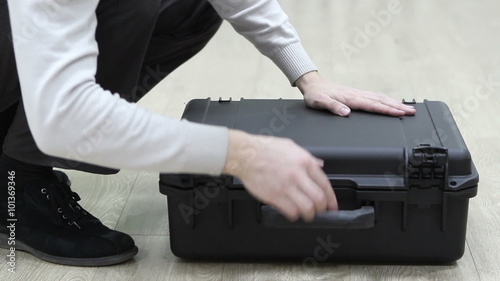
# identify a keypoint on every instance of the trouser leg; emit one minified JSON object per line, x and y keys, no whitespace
{"x":6,"y":117}
{"x":9,"y":82}
{"x":183,"y":28}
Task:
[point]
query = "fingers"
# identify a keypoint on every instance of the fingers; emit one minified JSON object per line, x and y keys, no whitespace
{"x":383,"y":99}
{"x":326,"y":102}
{"x":323,"y":183}
{"x":340,"y":99}
{"x":338,"y":108}
{"x":344,"y":99}
{"x":310,"y":194}
{"x":314,"y":193}
{"x":377,"y":107}
{"x":296,"y":204}
{"x":288,"y":208}
{"x":378,"y":103}
{"x":371,"y":102}
{"x":303,"y":202}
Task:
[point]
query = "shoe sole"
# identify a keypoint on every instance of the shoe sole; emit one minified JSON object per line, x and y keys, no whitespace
{"x":102,"y":261}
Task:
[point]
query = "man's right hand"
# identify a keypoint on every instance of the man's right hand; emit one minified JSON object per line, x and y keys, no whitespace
{"x":280,"y":173}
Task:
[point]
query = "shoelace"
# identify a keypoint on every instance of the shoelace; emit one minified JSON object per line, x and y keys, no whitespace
{"x":64,"y":206}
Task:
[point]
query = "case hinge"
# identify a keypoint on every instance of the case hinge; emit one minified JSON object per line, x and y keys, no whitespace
{"x":428,"y":167}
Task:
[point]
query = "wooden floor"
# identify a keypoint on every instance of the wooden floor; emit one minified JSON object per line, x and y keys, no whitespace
{"x":438,"y":50}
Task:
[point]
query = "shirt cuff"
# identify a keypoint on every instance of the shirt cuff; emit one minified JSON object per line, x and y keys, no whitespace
{"x":205,"y":148}
{"x":294,"y":62}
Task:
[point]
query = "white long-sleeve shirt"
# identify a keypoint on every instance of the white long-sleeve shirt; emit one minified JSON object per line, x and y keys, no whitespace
{"x":71,"y":116}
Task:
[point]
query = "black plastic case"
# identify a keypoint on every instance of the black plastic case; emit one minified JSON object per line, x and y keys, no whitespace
{"x":403,"y":185}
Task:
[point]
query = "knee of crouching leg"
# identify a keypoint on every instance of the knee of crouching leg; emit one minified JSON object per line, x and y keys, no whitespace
{"x":187,"y":18}
{"x":143,"y":12}
{"x":146,"y":11}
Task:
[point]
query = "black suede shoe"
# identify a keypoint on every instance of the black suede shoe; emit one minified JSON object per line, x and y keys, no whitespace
{"x":52,"y":226}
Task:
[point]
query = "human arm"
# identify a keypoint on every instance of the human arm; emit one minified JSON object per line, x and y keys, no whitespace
{"x":73,"y":117}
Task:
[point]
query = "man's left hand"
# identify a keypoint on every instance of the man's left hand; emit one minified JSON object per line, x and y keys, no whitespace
{"x":321,"y":94}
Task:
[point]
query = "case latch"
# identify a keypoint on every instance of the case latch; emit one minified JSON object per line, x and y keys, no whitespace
{"x":225,"y":100}
{"x":413,"y":101}
{"x":428,"y":167}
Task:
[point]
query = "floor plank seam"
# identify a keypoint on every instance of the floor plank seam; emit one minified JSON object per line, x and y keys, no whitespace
{"x":473,"y":259}
{"x":126,"y":201}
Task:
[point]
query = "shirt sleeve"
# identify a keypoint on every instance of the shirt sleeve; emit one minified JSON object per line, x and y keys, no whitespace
{"x":265,"y":24}
{"x":71,"y":116}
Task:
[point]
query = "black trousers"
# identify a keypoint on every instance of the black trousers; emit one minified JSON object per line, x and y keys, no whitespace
{"x":140,"y":42}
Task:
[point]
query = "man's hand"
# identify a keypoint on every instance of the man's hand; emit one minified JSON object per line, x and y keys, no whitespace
{"x":280,"y":173}
{"x":321,"y":94}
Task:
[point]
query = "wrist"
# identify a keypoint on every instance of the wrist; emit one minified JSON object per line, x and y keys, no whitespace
{"x":239,"y":142}
{"x":307,"y":79}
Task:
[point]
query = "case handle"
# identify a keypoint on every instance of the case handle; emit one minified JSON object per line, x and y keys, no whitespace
{"x":344,"y":219}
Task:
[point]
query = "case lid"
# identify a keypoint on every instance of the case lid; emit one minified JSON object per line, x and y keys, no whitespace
{"x":364,"y":150}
